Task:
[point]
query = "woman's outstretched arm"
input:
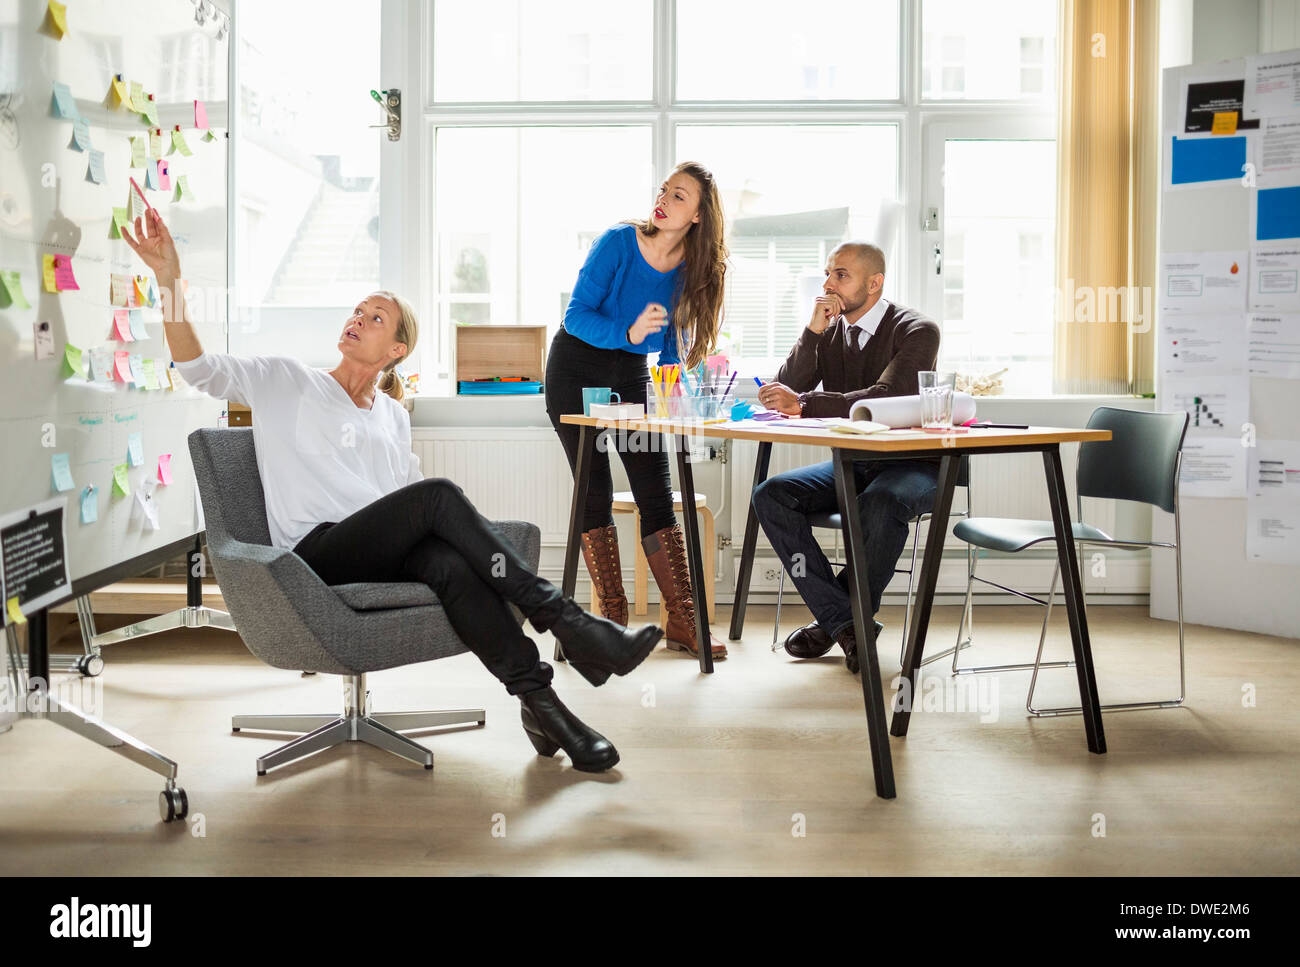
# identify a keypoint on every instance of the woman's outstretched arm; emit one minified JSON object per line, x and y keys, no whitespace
{"x":157,"y":250}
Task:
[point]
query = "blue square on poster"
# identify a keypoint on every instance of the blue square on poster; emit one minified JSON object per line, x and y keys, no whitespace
{"x":1277,"y":213}
{"x":1207,"y":159}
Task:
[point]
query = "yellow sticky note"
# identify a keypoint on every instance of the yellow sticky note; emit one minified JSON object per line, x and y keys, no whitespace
{"x":47,"y":273}
{"x":59,"y":15}
{"x":137,"y":96}
{"x":142,"y":291}
{"x":150,"y":109}
{"x":1225,"y":122}
{"x":119,"y":479}
{"x":155,"y":143}
{"x":15,"y":613}
{"x":120,"y":92}
{"x":171,"y":381}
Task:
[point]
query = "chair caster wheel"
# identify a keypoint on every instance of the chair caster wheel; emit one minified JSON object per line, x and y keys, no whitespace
{"x":261,"y":772}
{"x":173,"y":804}
{"x":234,"y":728}
{"x":90,"y":666}
{"x":429,"y":767}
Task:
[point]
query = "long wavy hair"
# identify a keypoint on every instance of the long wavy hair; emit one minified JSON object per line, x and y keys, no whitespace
{"x":697,"y":303}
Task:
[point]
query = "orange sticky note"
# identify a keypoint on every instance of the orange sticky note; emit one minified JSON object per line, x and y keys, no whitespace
{"x":142,"y":291}
{"x":122,"y":326}
{"x":1225,"y":122}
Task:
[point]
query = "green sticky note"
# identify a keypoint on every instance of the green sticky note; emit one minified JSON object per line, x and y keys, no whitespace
{"x":11,"y":290}
{"x":151,"y":110}
{"x":150,"y":374}
{"x":183,"y":188}
{"x":121,"y":219}
{"x":209,"y":136}
{"x":119,"y":480}
{"x":72,"y":360}
{"x":137,"y":152}
{"x":178,"y":142}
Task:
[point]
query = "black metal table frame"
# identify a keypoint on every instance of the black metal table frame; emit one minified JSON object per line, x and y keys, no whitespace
{"x":843,"y":459}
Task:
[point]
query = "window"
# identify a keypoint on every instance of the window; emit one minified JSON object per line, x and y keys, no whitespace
{"x":547,"y":121}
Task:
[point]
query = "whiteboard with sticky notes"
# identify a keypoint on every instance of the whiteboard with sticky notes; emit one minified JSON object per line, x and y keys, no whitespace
{"x":91,"y":410}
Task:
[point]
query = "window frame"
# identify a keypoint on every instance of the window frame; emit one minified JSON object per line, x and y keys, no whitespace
{"x":412,"y":31}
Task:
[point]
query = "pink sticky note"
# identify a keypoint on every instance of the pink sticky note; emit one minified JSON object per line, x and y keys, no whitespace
{"x":122,"y":366}
{"x":122,"y":326}
{"x":164,"y":179}
{"x":165,"y":468}
{"x":200,"y":115}
{"x":63,"y":277}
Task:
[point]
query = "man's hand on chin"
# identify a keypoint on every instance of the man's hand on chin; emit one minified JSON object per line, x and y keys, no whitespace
{"x":779,"y":397}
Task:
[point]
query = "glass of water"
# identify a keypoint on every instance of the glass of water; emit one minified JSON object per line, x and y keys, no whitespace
{"x":936,"y":399}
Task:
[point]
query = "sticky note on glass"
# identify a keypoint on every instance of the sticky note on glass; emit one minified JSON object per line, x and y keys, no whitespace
{"x":209,"y":136}
{"x":142,"y":291}
{"x":164,"y":179}
{"x":1225,"y":122}
{"x":150,"y":374}
{"x":61,"y":472}
{"x":135,"y":448}
{"x":135,"y":204}
{"x":165,"y":469}
{"x":96,"y":170}
{"x":155,"y":143}
{"x":122,"y":366}
{"x":151,"y":175}
{"x":72,"y":361}
{"x":119,"y":285}
{"x":120,"y":93}
{"x":200,"y":115}
{"x":178,"y":142}
{"x":137,"y":324}
{"x":101,"y":364}
{"x":63,"y":276}
{"x":136,"y":362}
{"x":170,"y":373}
{"x":15,"y":612}
{"x":137,"y":96}
{"x":65,"y":106}
{"x":119,"y":479}
{"x":47,"y":274}
{"x":58,"y":17}
{"x":137,"y":152}
{"x":89,"y":505}
{"x":183,"y":188}
{"x":150,"y":109}
{"x":11,"y":291}
{"x":81,"y":135}
{"x":122,"y":326}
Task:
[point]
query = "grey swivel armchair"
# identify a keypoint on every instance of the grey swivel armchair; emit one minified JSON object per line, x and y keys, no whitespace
{"x":289,"y":618}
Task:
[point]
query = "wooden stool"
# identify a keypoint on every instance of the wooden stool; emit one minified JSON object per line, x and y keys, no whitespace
{"x":624,"y":504}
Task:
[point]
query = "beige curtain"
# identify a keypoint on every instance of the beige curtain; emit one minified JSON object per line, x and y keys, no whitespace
{"x":1108,"y":183}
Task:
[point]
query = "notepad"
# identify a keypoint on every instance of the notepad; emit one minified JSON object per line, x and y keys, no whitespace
{"x":860,"y":427}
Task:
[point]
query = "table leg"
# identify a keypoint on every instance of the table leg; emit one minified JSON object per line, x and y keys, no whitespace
{"x":1089,"y":701}
{"x":581,"y":480}
{"x":747,"y":551}
{"x":38,"y":652}
{"x":863,"y":624}
{"x":934,"y":538}
{"x":691,"y":522}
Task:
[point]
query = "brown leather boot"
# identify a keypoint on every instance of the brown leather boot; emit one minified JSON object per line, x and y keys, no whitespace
{"x":600,"y":551}
{"x":666,"y":555}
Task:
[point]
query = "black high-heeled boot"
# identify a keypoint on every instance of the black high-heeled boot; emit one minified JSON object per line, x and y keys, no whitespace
{"x":597,"y":647}
{"x":551,"y":726}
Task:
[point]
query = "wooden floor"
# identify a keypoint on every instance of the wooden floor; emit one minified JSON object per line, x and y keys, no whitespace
{"x":718,"y":773}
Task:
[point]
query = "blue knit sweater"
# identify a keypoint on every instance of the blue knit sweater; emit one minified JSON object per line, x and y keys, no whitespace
{"x":613,"y":287}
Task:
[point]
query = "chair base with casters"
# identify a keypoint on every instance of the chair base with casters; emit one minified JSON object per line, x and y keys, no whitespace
{"x":356,"y":724}
{"x":831,"y":520}
{"x":1150,"y":480}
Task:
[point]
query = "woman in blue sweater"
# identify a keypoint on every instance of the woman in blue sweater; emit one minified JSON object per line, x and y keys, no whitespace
{"x":652,"y":286}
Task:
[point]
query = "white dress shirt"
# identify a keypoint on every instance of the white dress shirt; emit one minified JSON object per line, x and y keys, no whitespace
{"x":320,"y":456}
{"x":866,"y":327}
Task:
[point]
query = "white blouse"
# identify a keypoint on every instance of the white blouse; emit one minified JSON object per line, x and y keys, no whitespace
{"x":320,"y":456}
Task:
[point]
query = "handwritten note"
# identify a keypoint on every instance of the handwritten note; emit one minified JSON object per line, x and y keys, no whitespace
{"x":137,"y":325}
{"x":135,"y":448}
{"x":120,"y":94}
{"x":183,"y":188}
{"x":137,"y":97}
{"x":65,"y":106}
{"x":150,"y":374}
{"x":178,"y":142}
{"x":63,"y":276}
{"x":122,"y":366}
{"x":61,"y":472}
{"x":101,"y":364}
{"x":90,"y":504}
{"x":142,"y":291}
{"x":137,"y":152}
{"x":155,"y":143}
{"x":119,"y":285}
{"x":96,"y":170}
{"x":122,"y":326}
{"x":150,"y":109}
{"x":11,"y":291}
{"x":81,"y":135}
{"x":137,"y":375}
{"x":120,"y":485}
{"x":72,"y":361}
{"x":165,"y":469}
{"x":48,"y":278}
{"x":151,"y":175}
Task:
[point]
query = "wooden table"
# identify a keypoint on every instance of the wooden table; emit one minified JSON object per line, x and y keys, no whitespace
{"x":847,"y":449}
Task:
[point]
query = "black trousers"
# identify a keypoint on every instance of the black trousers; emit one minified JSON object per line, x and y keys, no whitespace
{"x":430,"y":532}
{"x":572,"y":365}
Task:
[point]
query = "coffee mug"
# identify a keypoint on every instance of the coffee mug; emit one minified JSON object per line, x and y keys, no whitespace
{"x":597,"y":394}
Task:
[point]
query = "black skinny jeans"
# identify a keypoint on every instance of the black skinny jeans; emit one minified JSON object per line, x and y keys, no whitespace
{"x":573,"y":364}
{"x":430,"y":532}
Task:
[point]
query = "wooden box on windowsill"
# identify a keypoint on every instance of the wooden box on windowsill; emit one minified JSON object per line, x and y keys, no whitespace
{"x":484,"y":352}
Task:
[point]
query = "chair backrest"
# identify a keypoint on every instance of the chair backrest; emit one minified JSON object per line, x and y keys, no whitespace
{"x":1139,"y":462}
{"x":225,"y":465}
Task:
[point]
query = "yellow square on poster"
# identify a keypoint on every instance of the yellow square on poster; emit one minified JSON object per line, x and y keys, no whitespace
{"x":1225,"y":122}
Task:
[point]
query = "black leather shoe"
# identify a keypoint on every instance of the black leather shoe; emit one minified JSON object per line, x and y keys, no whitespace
{"x":597,"y":647}
{"x":847,"y":640}
{"x":810,"y":641}
{"x":551,"y":726}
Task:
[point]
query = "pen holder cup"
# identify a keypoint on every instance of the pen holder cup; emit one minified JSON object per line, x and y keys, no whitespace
{"x":667,"y":402}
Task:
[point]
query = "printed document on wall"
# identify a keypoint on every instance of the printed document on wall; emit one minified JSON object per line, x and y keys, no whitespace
{"x":1203,"y":282}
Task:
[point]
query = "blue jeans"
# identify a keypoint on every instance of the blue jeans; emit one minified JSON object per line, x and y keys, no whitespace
{"x":890,"y":494}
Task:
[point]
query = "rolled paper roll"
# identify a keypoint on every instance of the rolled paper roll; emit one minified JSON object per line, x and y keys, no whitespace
{"x":903,"y":411}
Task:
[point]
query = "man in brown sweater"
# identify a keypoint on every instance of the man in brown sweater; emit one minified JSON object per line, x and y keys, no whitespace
{"x":856,"y":346}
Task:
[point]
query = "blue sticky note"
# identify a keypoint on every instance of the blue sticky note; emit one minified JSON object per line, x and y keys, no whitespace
{"x":137,"y":324}
{"x":135,"y":449}
{"x":62,"y":472}
{"x":1207,"y":159}
{"x":81,"y":135}
{"x":1277,"y":213}
{"x":64,"y":104}
{"x":151,"y":174}
{"x":90,"y":505}
{"x":96,"y":171}
{"x":136,"y":362}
